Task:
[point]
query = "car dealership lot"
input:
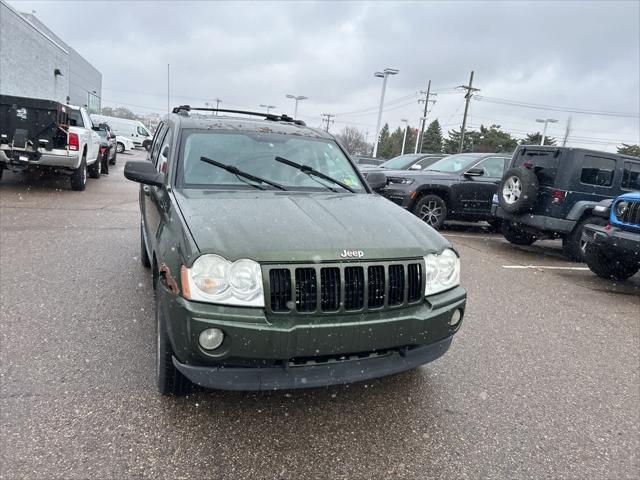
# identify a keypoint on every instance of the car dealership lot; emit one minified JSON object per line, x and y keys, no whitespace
{"x":542,"y":380}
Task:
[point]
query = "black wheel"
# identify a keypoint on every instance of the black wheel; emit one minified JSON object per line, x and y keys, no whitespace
{"x":516,"y":235}
{"x":144,"y":256}
{"x":169,"y":379}
{"x":120,"y":147}
{"x":431,"y":209}
{"x":79,"y":175}
{"x":611,"y":267}
{"x":496,"y":224}
{"x":518,"y":190}
{"x":113,"y":160}
{"x":573,"y":245}
{"x":96,"y":167}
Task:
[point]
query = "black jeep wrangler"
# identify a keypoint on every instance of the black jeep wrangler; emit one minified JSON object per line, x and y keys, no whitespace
{"x":550,"y":192}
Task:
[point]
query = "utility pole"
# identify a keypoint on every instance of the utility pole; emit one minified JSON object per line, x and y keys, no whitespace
{"x":218,"y":102}
{"x":404,"y":139}
{"x":168,"y":92}
{"x":424,"y":117}
{"x":567,"y":132}
{"x":469,"y":88}
{"x":327,"y":118}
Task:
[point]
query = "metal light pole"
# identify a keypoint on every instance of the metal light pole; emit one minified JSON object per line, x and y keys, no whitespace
{"x":268,"y":107}
{"x":404,"y":140}
{"x":297,"y":98}
{"x":546,"y":121}
{"x":384,"y":74}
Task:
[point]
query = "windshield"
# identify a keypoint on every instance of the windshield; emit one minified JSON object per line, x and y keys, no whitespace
{"x":254,"y":153}
{"x":401,"y":162}
{"x":454,"y":163}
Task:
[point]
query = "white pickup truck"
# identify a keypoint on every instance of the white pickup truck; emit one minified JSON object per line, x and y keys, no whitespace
{"x":41,"y":134}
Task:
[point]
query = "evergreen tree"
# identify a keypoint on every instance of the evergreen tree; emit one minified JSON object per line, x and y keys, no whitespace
{"x":633,"y":150}
{"x":384,"y":142}
{"x":535,"y":138}
{"x":432,"y":140}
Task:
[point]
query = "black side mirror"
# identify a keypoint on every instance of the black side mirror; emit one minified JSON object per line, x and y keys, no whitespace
{"x":143,"y":172}
{"x":377,"y":180}
{"x":474,"y":172}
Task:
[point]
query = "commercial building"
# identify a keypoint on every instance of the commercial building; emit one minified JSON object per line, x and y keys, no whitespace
{"x":35,"y":62}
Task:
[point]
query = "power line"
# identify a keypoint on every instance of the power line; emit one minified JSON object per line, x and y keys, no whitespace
{"x":516,"y":103}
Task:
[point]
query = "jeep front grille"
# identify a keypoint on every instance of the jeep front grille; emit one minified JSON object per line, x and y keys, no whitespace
{"x":631,"y":214}
{"x":333,"y":288}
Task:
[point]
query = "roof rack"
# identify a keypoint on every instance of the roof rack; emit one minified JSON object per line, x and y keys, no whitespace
{"x":182,"y":109}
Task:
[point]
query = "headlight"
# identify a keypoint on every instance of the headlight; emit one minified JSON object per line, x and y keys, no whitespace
{"x":214,"y":279}
{"x":442,"y":272}
{"x":620,"y":208}
{"x":401,"y":180}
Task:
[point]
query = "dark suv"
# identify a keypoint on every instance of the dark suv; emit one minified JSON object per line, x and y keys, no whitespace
{"x":613,"y":251}
{"x":550,"y":192}
{"x":275,"y":265}
{"x":457,"y":187}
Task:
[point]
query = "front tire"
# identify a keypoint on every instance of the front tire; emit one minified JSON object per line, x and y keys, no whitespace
{"x":432,"y":210}
{"x":169,"y":379}
{"x":517,"y":235}
{"x":120,"y":147}
{"x":573,"y":245}
{"x":79,"y":176}
{"x":611,"y":268}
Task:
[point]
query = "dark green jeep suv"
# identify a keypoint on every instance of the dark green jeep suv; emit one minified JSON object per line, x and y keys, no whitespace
{"x":276,"y":266}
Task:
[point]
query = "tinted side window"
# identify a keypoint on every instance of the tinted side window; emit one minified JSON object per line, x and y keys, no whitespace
{"x":544,"y":163}
{"x":157,"y":140}
{"x":631,"y":176}
{"x":75,"y":118}
{"x":597,"y":171}
{"x":163,"y":155}
{"x":492,"y":166}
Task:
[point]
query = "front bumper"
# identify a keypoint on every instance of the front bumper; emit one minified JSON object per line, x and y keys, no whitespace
{"x":258,"y":351}
{"x":398,"y":196}
{"x":538,"y":222}
{"x":309,"y":376}
{"x":53,"y":158}
{"x":614,"y":240}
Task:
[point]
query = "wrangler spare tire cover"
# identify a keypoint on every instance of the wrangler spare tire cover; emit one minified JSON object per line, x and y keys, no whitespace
{"x":518,"y":190}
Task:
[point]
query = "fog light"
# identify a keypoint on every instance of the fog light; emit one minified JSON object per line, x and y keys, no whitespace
{"x":211,"y":338}
{"x":455,"y":318}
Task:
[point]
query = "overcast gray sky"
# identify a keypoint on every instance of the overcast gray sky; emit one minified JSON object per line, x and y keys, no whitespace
{"x":578,"y":55}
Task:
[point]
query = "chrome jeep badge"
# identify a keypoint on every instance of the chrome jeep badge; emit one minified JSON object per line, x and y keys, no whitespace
{"x":352,"y":254}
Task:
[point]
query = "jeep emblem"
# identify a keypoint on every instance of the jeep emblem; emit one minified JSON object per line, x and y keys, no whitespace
{"x":352,"y":254}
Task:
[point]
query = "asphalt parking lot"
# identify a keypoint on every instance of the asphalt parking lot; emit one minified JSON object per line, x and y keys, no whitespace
{"x":541,"y":382}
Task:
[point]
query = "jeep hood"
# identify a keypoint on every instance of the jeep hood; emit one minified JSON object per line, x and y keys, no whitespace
{"x":288,"y":227}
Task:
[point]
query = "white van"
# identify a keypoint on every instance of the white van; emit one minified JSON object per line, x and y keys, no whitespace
{"x":133,"y":129}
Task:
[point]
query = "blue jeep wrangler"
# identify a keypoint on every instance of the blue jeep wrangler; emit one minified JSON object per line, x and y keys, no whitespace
{"x":613,"y":251}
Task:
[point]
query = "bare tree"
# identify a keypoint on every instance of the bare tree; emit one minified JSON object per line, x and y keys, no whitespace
{"x":354,"y":140}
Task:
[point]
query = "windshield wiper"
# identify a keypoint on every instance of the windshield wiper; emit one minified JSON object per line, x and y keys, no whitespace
{"x":312,"y":171}
{"x":240,"y":173}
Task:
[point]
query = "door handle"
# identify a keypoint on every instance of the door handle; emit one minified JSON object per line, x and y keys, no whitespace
{"x":146,"y":189}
